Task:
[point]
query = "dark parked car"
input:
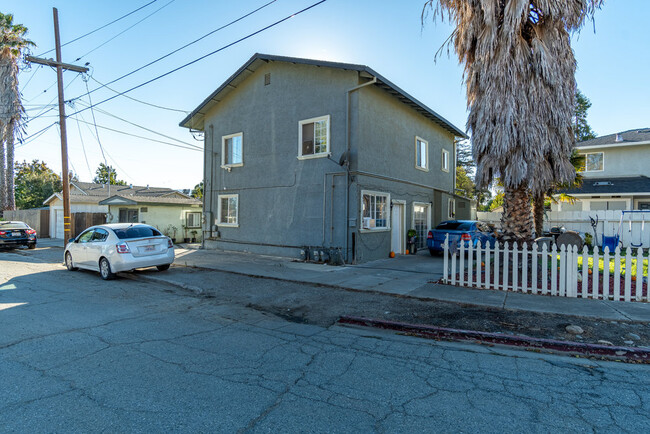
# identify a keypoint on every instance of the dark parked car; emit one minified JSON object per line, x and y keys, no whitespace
{"x":15,"y":234}
{"x":467,"y":231}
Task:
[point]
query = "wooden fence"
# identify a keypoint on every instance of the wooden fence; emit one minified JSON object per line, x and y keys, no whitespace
{"x":563,"y":271}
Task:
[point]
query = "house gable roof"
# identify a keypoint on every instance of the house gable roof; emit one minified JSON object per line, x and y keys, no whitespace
{"x":88,"y":192}
{"x":639,"y":136}
{"x":196,"y":118}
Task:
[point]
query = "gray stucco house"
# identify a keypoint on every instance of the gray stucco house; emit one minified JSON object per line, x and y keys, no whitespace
{"x":305,"y":153}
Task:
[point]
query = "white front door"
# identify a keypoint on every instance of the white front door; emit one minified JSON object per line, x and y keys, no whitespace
{"x":397,"y":228}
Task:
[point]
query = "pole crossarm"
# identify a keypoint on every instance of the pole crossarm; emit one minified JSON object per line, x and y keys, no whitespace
{"x":54,"y":63}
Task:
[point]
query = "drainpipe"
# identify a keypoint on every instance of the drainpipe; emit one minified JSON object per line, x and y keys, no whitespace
{"x":347,"y":165}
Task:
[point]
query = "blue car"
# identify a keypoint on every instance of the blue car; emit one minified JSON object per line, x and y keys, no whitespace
{"x":467,"y":231}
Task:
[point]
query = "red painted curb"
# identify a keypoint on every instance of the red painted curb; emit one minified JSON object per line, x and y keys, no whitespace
{"x":427,"y":331}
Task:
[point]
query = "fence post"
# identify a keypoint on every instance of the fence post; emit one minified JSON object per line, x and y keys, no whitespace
{"x":595,"y":275}
{"x":461,"y":266}
{"x":506,"y":254}
{"x":470,"y":262}
{"x":533,"y":279}
{"x":446,"y":260}
{"x":585,"y":272}
{"x":479,"y":266}
{"x":496,"y":265}
{"x":554,"y":269}
{"x":606,"y":274}
{"x":487,"y":265}
{"x":524,"y":268}
{"x":639,"y":274}
{"x":617,"y":274}
{"x":628,"y":274}
{"x":544,"y":269}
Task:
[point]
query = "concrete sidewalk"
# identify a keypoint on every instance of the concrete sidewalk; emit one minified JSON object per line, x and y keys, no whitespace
{"x":411,"y":276}
{"x":405,"y":275}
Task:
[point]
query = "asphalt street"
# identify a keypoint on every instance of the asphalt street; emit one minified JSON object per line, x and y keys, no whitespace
{"x":78,"y":354}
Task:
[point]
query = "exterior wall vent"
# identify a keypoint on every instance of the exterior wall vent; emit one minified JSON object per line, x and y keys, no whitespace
{"x":602,"y":183}
{"x":267,"y":79}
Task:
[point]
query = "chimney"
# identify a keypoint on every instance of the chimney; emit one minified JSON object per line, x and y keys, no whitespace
{"x":619,"y":138}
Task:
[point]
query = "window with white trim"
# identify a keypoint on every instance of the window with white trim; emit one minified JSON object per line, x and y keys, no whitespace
{"x":445,"y":160}
{"x":314,"y":137}
{"x":421,"y":154}
{"x":228,"y":209}
{"x":193,"y":219}
{"x":375,"y":210}
{"x":232,"y":150}
{"x":594,"y":162}
{"x":451,"y":208}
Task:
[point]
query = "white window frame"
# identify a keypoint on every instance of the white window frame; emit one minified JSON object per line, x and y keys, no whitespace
{"x":223,"y":151}
{"x":329,"y":138}
{"x":225,"y":224}
{"x":388,"y":211}
{"x":424,"y":168}
{"x":187,"y":216}
{"x":445,"y":159}
{"x":451,"y":208}
{"x":593,"y":153}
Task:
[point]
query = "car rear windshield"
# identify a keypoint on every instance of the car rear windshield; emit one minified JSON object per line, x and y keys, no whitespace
{"x":136,"y":232}
{"x":455,"y":226}
{"x":13,"y":225}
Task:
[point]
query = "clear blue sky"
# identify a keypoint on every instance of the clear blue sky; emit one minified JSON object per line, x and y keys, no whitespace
{"x":386,"y":35}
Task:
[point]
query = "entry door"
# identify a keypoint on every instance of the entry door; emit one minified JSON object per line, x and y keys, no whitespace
{"x":397,"y":228}
{"x":421,"y":222}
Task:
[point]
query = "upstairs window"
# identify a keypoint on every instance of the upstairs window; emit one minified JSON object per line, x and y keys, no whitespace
{"x":421,"y":154}
{"x":314,"y":137}
{"x":594,"y":162}
{"x":232,"y":150}
{"x":445,"y":160}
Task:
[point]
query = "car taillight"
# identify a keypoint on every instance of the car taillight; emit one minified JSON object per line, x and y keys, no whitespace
{"x":170,"y":245}
{"x":466,"y":237}
{"x":430,"y":235}
{"x":30,"y":232}
{"x":123,"y":248}
{"x":3,"y":233}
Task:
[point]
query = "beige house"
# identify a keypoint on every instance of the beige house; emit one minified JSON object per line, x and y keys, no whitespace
{"x":172,"y":212}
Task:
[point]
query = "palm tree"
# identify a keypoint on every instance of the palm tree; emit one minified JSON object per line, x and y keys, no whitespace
{"x":12,"y":42}
{"x":519,"y":73}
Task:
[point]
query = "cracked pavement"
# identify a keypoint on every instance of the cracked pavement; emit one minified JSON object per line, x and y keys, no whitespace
{"x":81,"y":354}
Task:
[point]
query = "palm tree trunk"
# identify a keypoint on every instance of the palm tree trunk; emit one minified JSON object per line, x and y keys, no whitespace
{"x":516,"y":220}
{"x":10,"y":203}
{"x":538,"y":214}
{"x":3,"y":189}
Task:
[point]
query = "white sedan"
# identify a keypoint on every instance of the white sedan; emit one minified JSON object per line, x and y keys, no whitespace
{"x":112,"y":248}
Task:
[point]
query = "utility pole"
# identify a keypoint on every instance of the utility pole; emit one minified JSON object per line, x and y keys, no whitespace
{"x":64,"y":138}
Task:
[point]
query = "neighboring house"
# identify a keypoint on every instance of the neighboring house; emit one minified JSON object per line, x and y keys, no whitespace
{"x":102,"y":203}
{"x":616,"y":174}
{"x":305,"y":153}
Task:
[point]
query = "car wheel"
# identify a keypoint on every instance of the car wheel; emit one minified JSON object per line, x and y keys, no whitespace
{"x":32,"y":246}
{"x":105,"y":269}
{"x":432,"y":252}
{"x":162,"y":267}
{"x":68,"y":262}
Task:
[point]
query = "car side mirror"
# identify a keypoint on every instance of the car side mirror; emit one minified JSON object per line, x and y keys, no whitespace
{"x":71,"y":240}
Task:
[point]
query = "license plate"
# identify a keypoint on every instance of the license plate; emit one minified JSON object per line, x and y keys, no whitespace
{"x":149,"y":248}
{"x":16,"y":234}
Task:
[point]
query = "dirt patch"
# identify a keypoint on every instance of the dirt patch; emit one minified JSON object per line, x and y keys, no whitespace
{"x":318,"y":305}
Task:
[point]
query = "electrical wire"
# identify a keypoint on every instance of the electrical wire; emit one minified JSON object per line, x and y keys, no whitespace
{"x":138,"y":100}
{"x":99,"y":28}
{"x":30,"y":78}
{"x":183,"y":47}
{"x":125,"y":30}
{"x":83,"y":147}
{"x":205,"y":56}
{"x":52,"y":107}
{"x":101,"y":148}
{"x":144,"y":128}
{"x":140,"y":137}
{"x":35,"y":136}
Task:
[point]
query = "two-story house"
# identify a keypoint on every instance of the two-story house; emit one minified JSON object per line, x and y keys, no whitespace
{"x":306,"y":153}
{"x":616,"y":173}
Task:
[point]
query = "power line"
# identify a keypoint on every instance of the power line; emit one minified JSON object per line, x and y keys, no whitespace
{"x":30,"y":78}
{"x":52,"y":107}
{"x":146,"y":129}
{"x":125,"y":30}
{"x":181,"y":48}
{"x":36,"y":135}
{"x":138,"y":100}
{"x":101,"y":148}
{"x":99,"y":28}
{"x":83,"y":147}
{"x":140,"y":137}
{"x":205,"y":56}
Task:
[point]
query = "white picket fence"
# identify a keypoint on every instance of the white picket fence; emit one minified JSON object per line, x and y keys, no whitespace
{"x":556,"y":271}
